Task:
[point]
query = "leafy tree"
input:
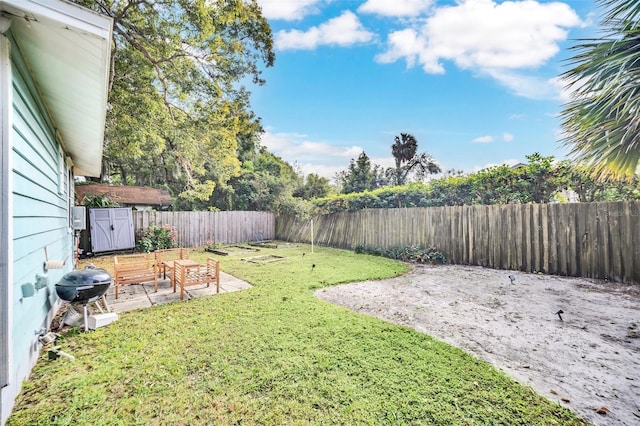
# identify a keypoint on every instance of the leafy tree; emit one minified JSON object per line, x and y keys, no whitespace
{"x":404,"y":150}
{"x":538,"y":180}
{"x":580,"y":179}
{"x":178,"y":109}
{"x":266,"y":183}
{"x":602,"y":121}
{"x":315,"y":186}
{"x":360,"y":176}
{"x":495,"y":185}
{"x":256,"y":191}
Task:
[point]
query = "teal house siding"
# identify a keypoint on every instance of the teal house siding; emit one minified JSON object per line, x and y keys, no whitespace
{"x":51,"y":128}
{"x":41,"y":194}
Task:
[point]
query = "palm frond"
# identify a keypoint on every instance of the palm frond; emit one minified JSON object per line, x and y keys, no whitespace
{"x":621,"y":10}
{"x":602,"y":120}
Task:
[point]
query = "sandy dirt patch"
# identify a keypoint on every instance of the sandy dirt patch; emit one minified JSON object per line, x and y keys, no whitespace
{"x":588,"y":360}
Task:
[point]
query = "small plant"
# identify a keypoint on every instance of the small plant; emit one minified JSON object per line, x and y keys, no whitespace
{"x":157,"y":238}
{"x":411,"y":253}
{"x":210,"y":245}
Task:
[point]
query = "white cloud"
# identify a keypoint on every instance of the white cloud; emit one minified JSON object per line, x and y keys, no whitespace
{"x":483,"y":139}
{"x":490,"y":38}
{"x":396,"y":8}
{"x":405,"y":44}
{"x":506,"y":137}
{"x":344,"y":30}
{"x":323,"y":170}
{"x":298,"y":148}
{"x":288,"y":10}
{"x":528,"y":86}
{"x":316,"y":157}
{"x":331,"y":166}
{"x":384,"y":162}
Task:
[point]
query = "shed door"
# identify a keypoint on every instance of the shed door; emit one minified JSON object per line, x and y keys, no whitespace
{"x":111,"y":229}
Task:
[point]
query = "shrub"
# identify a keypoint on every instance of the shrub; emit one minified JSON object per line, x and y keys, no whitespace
{"x":157,"y":238}
{"x":95,"y":201}
{"x":411,"y":253}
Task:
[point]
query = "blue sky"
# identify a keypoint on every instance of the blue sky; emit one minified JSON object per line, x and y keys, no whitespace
{"x":475,"y":81}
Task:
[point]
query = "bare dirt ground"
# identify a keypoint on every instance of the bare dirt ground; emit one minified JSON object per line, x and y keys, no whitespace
{"x":589,"y":361}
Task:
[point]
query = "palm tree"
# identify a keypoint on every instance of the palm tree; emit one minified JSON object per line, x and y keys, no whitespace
{"x":602,"y":121}
{"x":403,"y":150}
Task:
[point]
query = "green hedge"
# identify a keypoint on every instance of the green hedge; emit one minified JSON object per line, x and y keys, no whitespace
{"x":411,"y":253}
{"x":412,"y":195}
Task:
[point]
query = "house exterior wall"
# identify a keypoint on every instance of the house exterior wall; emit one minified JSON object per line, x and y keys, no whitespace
{"x":40,"y":194}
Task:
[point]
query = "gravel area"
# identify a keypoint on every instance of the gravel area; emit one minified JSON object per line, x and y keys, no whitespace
{"x":587,"y":358}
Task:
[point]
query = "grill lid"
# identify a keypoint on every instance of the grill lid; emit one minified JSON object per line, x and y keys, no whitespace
{"x":88,"y":276}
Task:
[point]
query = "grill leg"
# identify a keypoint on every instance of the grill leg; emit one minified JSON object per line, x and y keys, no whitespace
{"x":104,"y":301}
{"x":86,"y":318}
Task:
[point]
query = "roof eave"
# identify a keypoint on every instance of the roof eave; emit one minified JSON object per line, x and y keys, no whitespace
{"x":68,"y":49}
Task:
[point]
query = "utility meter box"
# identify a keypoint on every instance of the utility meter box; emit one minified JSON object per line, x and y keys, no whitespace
{"x":79,"y":218}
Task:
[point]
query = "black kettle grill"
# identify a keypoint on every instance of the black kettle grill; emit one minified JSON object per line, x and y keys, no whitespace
{"x":84,"y":286}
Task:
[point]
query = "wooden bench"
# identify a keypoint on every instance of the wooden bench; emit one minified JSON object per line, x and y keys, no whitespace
{"x":187,"y":273}
{"x":135,"y":269}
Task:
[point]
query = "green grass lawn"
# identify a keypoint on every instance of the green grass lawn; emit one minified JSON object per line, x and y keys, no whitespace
{"x":273,"y":354}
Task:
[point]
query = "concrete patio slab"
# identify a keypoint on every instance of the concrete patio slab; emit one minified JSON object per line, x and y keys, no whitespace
{"x":140,"y":296}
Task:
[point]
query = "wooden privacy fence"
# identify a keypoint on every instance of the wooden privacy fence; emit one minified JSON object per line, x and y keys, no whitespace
{"x":196,"y":229}
{"x":594,"y":240}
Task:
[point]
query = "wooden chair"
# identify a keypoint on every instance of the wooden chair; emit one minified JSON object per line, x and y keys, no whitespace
{"x":189,"y":273}
{"x":165,"y":259}
{"x":134,"y":269}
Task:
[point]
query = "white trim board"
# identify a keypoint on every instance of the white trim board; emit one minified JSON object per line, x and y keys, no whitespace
{"x":6,"y":223}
